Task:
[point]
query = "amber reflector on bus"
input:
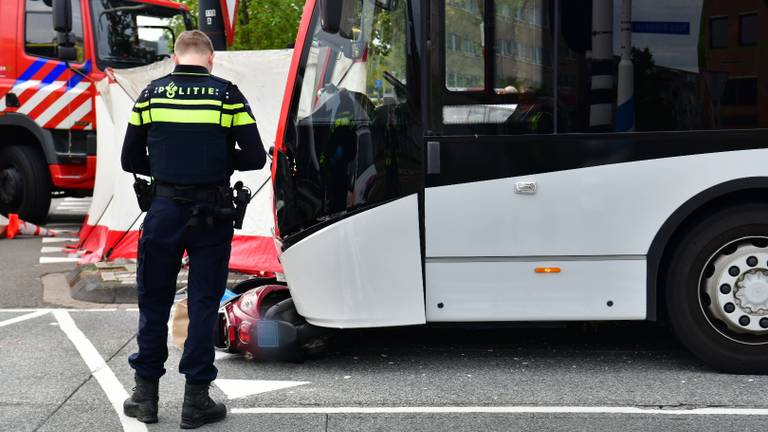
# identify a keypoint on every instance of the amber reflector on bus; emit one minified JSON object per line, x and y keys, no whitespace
{"x":547,"y":269}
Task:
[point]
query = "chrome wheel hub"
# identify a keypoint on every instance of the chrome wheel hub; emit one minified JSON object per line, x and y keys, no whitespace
{"x":737,"y":288}
{"x":751,"y":292}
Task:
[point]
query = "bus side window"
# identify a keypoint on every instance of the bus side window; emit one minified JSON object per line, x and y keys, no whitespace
{"x":518,"y":99}
{"x":464,"y":60}
{"x":695,"y":65}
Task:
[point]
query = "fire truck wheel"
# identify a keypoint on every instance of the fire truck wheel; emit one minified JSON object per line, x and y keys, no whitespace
{"x":25,"y":184}
{"x":717,"y":289}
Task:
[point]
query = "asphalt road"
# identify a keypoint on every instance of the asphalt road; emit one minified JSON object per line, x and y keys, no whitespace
{"x":65,"y":370}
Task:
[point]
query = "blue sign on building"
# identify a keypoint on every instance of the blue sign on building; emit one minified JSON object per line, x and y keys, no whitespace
{"x":661,"y":27}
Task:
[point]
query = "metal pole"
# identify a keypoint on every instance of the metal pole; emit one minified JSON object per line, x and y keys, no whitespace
{"x":625,"y":101}
{"x":211,"y":22}
{"x":600,"y":111}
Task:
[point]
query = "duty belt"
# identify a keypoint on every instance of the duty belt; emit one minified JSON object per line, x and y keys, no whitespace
{"x":206,"y":194}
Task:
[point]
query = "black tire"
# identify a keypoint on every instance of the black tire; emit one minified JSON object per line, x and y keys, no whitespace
{"x":686,"y":307}
{"x":25,"y":183}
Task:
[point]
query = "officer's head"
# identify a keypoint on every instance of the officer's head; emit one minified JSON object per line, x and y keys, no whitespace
{"x":193,"y":47}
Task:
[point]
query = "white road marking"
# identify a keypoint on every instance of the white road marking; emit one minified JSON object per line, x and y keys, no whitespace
{"x":59,"y":239}
{"x":99,"y":369}
{"x":221,"y":355}
{"x":507,"y":410}
{"x":54,"y":260}
{"x":238,"y":388}
{"x":62,"y":309}
{"x":51,"y":249}
{"x":72,"y":208}
{"x":24,"y":317}
{"x":74,"y":204}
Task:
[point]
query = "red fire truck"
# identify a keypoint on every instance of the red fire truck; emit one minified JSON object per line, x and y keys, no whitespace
{"x":52,"y":52}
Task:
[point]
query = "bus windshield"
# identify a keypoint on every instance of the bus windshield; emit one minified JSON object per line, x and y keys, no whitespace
{"x":130,"y":34}
{"x":351,"y":137}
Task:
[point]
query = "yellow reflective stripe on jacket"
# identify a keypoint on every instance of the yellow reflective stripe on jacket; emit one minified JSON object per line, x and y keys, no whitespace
{"x":226,"y":120}
{"x":172,"y":115}
{"x":145,"y":117}
{"x":135,"y":119}
{"x":233,"y":106}
{"x":242,"y":119}
{"x":142,"y":104}
{"x":187,"y":102}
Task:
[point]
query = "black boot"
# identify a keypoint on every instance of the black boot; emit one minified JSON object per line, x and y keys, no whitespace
{"x":142,"y":405}
{"x":199,"y":408}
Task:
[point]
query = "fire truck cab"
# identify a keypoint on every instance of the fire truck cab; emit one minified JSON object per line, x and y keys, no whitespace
{"x":47,"y":87}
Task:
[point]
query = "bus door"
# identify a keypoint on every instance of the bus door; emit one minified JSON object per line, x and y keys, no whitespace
{"x":507,"y":225}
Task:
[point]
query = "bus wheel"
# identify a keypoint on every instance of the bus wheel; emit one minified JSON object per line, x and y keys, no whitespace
{"x":717,"y":289}
{"x":25,"y":185}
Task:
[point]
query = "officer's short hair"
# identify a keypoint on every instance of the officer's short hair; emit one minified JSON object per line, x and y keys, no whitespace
{"x":193,"y":41}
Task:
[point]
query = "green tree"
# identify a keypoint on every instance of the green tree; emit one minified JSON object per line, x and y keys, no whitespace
{"x":263,"y":24}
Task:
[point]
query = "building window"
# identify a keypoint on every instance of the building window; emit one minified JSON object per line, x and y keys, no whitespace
{"x":748,"y":29}
{"x":464,"y":61}
{"x":740,"y":92}
{"x":453,"y":42}
{"x":718,"y":32}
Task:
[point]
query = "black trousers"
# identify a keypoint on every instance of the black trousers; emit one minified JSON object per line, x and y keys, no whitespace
{"x":165,"y":238}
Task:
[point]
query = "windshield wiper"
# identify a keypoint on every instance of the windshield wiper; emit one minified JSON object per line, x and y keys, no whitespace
{"x":127,"y":61}
{"x":123,"y":8}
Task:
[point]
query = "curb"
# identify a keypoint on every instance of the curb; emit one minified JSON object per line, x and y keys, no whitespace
{"x":100,"y":285}
{"x":115,"y":282}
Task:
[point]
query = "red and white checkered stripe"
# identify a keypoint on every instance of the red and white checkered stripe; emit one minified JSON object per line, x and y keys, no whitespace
{"x":53,"y":105}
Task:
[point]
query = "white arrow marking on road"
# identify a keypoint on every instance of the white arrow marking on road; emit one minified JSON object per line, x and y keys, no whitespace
{"x":23,"y":318}
{"x":99,"y":369}
{"x":235,"y":388}
{"x":221,"y":355}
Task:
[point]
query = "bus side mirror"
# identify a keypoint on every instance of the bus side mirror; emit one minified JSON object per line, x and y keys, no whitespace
{"x":62,"y":23}
{"x":330,"y":15}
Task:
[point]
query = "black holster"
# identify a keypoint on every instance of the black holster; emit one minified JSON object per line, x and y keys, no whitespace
{"x":242,"y":197}
{"x":145,"y":192}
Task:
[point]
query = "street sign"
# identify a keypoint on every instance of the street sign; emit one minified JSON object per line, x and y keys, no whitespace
{"x":229,"y":10}
{"x":661,"y":27}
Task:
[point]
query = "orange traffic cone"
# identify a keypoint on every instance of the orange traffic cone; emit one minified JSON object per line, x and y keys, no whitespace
{"x":18,"y":226}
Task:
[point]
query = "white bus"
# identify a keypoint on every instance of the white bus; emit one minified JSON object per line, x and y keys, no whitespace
{"x":474,"y":161}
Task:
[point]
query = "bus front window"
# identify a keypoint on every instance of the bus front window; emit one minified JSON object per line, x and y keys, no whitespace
{"x":353,"y":119}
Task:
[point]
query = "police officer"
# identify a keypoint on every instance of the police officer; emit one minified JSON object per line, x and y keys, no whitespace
{"x":182,"y":132}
